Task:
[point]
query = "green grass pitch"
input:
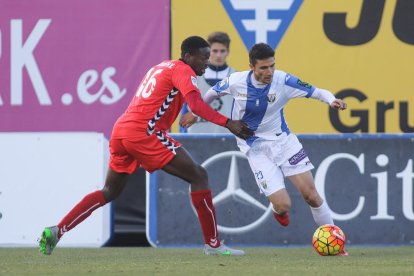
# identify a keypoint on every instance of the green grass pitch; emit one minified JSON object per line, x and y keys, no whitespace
{"x":183,"y":261}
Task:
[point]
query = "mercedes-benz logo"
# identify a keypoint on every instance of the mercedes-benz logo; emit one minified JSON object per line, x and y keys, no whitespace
{"x":234,"y":191}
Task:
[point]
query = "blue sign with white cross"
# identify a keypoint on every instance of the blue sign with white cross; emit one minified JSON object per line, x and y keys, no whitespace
{"x":261,"y":20}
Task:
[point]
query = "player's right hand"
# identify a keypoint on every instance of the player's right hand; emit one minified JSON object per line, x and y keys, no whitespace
{"x":239,"y":128}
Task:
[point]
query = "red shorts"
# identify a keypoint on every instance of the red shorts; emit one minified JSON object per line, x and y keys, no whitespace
{"x":150,"y":152}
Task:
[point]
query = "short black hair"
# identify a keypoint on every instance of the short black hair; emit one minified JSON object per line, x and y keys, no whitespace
{"x":219,"y":37}
{"x":192,"y":44}
{"x":260,"y":51}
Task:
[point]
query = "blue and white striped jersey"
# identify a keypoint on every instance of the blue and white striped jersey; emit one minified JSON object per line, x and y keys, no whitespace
{"x":260,"y":105}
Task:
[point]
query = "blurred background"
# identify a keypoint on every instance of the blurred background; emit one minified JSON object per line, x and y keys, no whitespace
{"x":68,"y":69}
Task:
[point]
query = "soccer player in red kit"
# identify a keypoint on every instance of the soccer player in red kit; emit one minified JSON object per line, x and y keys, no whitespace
{"x":139,"y":138}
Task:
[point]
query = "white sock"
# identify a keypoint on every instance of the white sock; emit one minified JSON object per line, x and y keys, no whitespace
{"x":322,"y":214}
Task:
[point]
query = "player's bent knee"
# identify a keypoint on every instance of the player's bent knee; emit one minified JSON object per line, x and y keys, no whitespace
{"x":198,"y":179}
{"x":313,"y":198}
{"x":110,"y":194}
{"x":114,"y":186}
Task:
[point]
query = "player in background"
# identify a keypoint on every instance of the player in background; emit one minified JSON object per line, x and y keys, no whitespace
{"x":273,"y":152}
{"x":139,"y":138}
{"x":217,"y":69}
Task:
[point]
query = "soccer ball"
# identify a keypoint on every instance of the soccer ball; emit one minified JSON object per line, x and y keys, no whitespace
{"x":328,"y":240}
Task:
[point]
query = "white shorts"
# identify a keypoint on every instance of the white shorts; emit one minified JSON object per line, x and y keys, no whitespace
{"x":271,"y":161}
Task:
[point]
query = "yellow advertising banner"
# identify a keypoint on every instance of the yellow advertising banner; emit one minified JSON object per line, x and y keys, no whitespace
{"x":360,"y":50}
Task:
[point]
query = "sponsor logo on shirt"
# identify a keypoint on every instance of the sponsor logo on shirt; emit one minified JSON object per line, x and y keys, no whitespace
{"x":304,"y":84}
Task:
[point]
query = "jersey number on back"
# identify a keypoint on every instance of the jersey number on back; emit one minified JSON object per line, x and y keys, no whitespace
{"x":148,"y":84}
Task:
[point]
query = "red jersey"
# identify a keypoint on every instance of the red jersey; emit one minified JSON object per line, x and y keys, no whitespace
{"x":157,"y":101}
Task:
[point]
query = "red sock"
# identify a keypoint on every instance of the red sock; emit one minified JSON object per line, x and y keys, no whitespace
{"x":81,"y":211}
{"x":203,"y":204}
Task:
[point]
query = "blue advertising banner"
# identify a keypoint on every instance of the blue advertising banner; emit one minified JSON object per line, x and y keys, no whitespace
{"x":367,"y":181}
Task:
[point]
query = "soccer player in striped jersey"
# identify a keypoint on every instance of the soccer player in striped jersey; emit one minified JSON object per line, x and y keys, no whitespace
{"x":260,"y":96}
{"x":139,"y":138}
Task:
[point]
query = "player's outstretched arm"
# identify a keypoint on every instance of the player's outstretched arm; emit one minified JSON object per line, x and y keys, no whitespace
{"x":329,"y":98}
{"x":189,"y":118}
{"x":203,"y":110}
{"x":200,"y":108}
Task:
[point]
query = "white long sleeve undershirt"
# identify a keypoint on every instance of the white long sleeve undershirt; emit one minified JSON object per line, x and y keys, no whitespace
{"x":319,"y":94}
{"x":323,"y":95}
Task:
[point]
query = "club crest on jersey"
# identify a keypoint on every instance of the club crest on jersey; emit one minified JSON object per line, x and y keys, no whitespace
{"x":194,"y":81}
{"x":271,"y":98}
{"x":261,"y":21}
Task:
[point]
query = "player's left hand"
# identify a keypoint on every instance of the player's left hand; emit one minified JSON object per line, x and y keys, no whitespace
{"x":188,"y":120}
{"x":339,"y":104}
